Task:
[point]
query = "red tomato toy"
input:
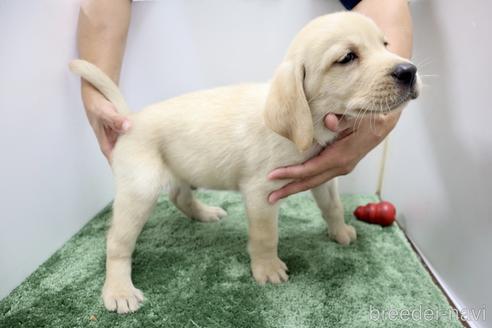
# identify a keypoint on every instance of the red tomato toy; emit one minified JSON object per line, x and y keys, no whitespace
{"x":382,"y":213}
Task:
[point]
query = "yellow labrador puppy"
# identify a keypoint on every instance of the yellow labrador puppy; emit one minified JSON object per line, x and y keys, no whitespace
{"x":232,"y":137}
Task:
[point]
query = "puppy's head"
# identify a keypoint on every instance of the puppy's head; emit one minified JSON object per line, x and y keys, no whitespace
{"x":338,"y":64}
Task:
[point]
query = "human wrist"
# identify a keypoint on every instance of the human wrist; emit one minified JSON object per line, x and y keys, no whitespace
{"x":91,"y":97}
{"x":395,"y":21}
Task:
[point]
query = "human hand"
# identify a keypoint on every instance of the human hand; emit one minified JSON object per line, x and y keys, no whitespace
{"x":355,"y":140}
{"x":106,"y":122}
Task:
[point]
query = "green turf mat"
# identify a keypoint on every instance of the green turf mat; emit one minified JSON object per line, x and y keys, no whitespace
{"x":197,"y":275}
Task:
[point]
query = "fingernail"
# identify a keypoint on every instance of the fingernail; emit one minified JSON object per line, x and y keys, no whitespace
{"x":126,"y":126}
{"x":271,"y":199}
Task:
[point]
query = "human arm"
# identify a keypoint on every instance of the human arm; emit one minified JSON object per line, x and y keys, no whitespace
{"x":340,"y":158}
{"x":102,"y":32}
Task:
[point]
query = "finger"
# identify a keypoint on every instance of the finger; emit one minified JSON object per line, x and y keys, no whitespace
{"x":376,"y":127}
{"x":323,"y":162}
{"x":106,"y":148}
{"x":112,"y":137}
{"x":393,"y":116}
{"x":304,"y":170}
{"x":337,"y":123}
{"x":102,"y":140}
{"x":381,"y":122}
{"x":331,"y":122}
{"x":352,"y":148}
{"x":298,"y":186}
{"x":116,"y":121}
{"x":119,"y":123}
{"x":344,"y":133}
{"x":346,"y":122}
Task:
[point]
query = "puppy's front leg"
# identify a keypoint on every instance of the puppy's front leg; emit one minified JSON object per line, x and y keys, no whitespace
{"x":263,"y":240}
{"x":328,"y":200}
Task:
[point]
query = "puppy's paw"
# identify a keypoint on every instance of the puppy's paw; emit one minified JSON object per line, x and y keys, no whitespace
{"x":205,"y":213}
{"x":273,"y":270}
{"x":122,"y":299}
{"x":344,"y":234}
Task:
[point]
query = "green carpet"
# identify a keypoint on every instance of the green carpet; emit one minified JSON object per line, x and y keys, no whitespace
{"x":197,"y":275}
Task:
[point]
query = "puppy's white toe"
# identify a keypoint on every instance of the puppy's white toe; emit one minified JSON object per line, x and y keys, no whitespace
{"x":209,"y":213}
{"x":344,"y":234}
{"x":273,"y":271}
{"x":122,"y":299}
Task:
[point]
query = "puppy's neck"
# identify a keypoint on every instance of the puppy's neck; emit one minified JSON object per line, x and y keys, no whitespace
{"x":322,"y":135}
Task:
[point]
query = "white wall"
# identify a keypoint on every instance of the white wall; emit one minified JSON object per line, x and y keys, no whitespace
{"x":53,"y":176}
{"x":441,"y":154}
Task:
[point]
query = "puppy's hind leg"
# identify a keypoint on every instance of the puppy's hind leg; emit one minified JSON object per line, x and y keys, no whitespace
{"x":328,"y":200}
{"x":182,"y":196}
{"x":138,"y":183}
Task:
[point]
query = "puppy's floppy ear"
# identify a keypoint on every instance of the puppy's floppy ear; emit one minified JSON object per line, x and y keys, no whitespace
{"x":287,"y":110}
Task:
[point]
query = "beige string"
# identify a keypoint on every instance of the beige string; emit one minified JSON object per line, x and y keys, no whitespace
{"x":382,"y":167}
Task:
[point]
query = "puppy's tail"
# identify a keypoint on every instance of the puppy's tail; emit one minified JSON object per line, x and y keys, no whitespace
{"x":101,"y":82}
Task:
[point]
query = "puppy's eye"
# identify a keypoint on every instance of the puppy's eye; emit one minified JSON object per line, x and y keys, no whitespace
{"x":385,"y":43}
{"x":348,"y":58}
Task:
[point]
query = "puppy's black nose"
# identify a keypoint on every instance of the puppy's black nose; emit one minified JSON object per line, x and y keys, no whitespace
{"x":405,"y":73}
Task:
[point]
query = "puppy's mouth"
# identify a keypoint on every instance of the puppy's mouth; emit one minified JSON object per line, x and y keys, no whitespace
{"x":388,"y":105}
{"x":401,"y":100}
